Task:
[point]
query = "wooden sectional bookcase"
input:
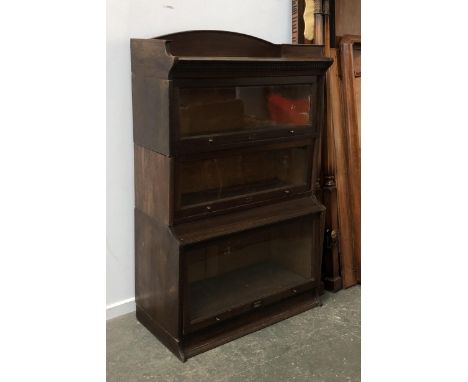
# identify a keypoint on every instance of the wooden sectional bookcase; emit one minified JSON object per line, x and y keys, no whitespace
{"x":228,"y":233}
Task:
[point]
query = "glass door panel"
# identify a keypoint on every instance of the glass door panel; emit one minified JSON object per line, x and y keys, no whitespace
{"x":237,"y":174}
{"x":251,"y":269}
{"x":217,"y":110}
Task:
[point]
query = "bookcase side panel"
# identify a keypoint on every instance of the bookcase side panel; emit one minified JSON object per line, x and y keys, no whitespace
{"x":153,"y":190}
{"x":157,"y":273}
{"x":151,"y":112}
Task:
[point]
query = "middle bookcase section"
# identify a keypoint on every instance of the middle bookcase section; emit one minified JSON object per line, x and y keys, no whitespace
{"x":207,"y":118}
{"x":220,"y":180}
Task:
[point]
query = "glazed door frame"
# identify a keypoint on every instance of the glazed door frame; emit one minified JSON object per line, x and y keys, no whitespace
{"x":240,"y":201}
{"x":215,"y":141}
{"x":187,"y":326}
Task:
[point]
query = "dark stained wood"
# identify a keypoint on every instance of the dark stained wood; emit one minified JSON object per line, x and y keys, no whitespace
{"x":326,"y":26}
{"x":155,"y":121}
{"x":178,"y":54}
{"x":219,"y":44}
{"x":210,"y":228}
{"x":223,"y":67}
{"x":351,"y":105}
{"x":331,"y":262}
{"x":219,"y":256}
{"x":242,"y":203}
{"x":149,"y":57}
{"x":157,"y":283}
{"x":151,"y":114}
{"x":251,"y":80}
{"x":206,"y":54}
{"x":153,"y":185}
{"x":216,"y":335}
{"x":156,"y":178}
{"x":329,"y":5}
{"x":317,"y":153}
{"x":230,"y":140}
{"x":154,"y":182}
{"x":304,"y":50}
{"x":257,"y":319}
{"x":331,"y":273}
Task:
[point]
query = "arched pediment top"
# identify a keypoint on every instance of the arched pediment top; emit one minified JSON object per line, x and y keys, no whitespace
{"x":222,"y":53}
{"x":214,"y":43}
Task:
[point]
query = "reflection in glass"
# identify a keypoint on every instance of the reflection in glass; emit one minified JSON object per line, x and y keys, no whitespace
{"x":239,"y":174}
{"x":249,"y":266}
{"x":229,"y":109}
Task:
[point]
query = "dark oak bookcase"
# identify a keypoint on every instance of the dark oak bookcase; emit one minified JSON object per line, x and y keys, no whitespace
{"x":228,"y":232}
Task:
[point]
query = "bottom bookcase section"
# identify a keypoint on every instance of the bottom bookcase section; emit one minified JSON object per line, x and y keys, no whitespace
{"x":230,"y":275}
{"x":201,"y":284}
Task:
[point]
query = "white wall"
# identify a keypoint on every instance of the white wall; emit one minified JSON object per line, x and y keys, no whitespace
{"x":267,"y":19}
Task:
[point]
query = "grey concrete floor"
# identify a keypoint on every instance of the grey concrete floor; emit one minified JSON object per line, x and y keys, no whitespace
{"x":322,"y":344}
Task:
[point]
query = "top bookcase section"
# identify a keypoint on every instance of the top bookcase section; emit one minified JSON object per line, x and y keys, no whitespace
{"x":209,"y":90}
